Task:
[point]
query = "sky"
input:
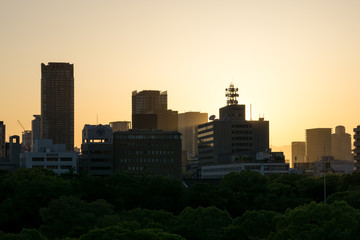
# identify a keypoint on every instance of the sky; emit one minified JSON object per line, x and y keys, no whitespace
{"x":295,"y":62}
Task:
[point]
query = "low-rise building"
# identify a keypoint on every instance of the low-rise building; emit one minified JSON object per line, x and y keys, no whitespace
{"x":51,"y":156}
{"x":97,"y":150}
{"x":154,"y":152}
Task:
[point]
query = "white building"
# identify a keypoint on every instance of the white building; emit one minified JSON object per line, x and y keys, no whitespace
{"x":51,"y":156}
{"x":219,"y":171}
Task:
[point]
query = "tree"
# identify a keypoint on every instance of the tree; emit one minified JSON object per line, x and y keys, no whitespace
{"x":201,"y":223}
{"x":318,"y":221}
{"x":69,"y":216}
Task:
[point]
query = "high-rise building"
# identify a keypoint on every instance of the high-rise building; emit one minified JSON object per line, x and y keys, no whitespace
{"x":318,"y":144}
{"x":297,"y":153}
{"x":57,"y":103}
{"x":148,"y":101}
{"x":2,"y":140}
{"x":187,"y":124}
{"x":149,"y":111}
{"x":341,"y":144}
{"x":357,"y":148}
{"x":35,"y":129}
{"x":232,"y":137}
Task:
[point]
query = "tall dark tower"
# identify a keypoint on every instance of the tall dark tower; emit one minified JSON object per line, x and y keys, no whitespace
{"x":57,"y":103}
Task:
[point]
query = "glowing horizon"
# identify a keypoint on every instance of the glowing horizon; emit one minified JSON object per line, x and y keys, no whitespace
{"x":296,"y":63}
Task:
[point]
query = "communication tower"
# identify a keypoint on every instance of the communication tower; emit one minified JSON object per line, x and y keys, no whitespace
{"x":231,"y":94}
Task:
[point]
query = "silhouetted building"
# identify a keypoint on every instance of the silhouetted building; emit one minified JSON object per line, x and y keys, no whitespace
{"x":187,"y":124}
{"x":154,"y":152}
{"x":35,"y":128}
{"x":120,"y":126}
{"x":13,"y":150}
{"x":97,"y":150}
{"x":26,"y":141}
{"x":145,"y":121}
{"x":297,"y":153}
{"x":357,"y":148}
{"x":51,"y":156}
{"x":152,"y":102}
{"x":341,"y":144}
{"x":232,"y":137}
{"x":2,"y":140}
{"x":318,"y":144}
{"x":57,"y":103}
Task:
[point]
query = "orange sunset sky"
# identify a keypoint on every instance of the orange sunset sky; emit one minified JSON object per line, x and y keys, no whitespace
{"x":296,"y":62}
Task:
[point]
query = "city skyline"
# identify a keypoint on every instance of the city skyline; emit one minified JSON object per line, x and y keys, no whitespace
{"x":296,"y":63}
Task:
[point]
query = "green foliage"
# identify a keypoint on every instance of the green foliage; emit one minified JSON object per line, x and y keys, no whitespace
{"x":149,"y":218}
{"x":25,"y":234}
{"x":252,"y":224}
{"x":26,"y":191}
{"x":118,"y":232}
{"x":71,"y":217}
{"x":201,"y":223}
{"x":318,"y":221}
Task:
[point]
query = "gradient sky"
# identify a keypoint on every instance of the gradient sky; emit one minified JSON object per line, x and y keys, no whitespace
{"x":296,"y":62}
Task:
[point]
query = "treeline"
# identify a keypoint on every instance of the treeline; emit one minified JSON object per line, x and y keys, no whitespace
{"x":38,"y":204}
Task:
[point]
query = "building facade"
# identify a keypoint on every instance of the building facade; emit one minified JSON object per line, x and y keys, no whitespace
{"x":318,"y":144}
{"x":57,"y":103}
{"x":149,"y":111}
{"x":35,"y":128}
{"x":97,"y":150}
{"x":341,"y":144}
{"x":2,"y":140}
{"x":153,"y":152}
{"x":120,"y":126}
{"x":297,"y":153}
{"x":357,"y":148}
{"x":187,"y":125}
{"x":50,"y":156}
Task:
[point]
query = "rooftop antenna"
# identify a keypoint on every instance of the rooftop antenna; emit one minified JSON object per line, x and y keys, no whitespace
{"x":231,"y":94}
{"x":97,"y":119}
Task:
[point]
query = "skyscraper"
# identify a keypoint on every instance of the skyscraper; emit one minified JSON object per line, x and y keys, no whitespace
{"x":149,"y":111}
{"x":57,"y":103}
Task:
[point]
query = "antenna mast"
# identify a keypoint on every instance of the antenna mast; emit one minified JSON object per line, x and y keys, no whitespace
{"x":231,"y":94}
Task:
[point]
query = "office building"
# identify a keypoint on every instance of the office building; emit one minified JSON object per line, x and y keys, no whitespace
{"x":148,"y":151}
{"x":341,"y":144}
{"x":97,"y":150}
{"x":357,"y":148}
{"x":149,"y":111}
{"x":318,"y":144}
{"x":2,"y":140}
{"x":35,"y":128}
{"x":26,"y":141}
{"x":45,"y":154}
{"x":57,"y":103}
{"x":232,"y":137}
{"x":187,"y":124}
{"x":297,"y":153}
{"x":120,"y":126}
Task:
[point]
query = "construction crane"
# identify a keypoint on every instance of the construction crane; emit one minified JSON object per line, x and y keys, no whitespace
{"x":21,"y":126}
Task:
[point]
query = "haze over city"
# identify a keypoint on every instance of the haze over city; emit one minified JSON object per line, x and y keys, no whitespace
{"x":295,"y":62}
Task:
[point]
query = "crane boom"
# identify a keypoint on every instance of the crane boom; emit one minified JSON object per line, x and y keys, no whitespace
{"x":21,"y":125}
